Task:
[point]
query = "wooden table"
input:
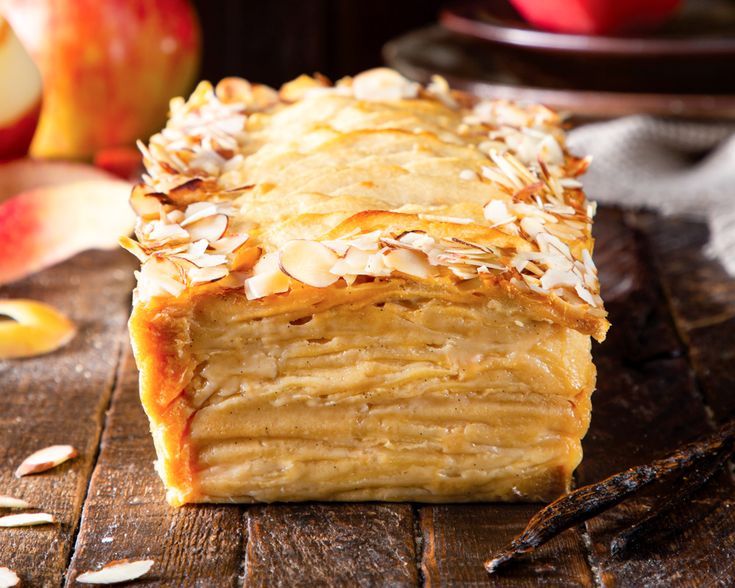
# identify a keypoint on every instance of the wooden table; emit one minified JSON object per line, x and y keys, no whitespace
{"x":665,"y":376}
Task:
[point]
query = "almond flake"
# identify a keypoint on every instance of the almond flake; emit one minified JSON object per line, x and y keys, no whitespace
{"x":352,"y":264}
{"x":45,"y":459}
{"x":12,"y":502}
{"x":159,"y":231}
{"x":267,"y":278}
{"x":468,"y":175}
{"x":570,"y":183}
{"x":207,"y":274}
{"x":198,"y":211}
{"x":227,"y":245}
{"x":383,"y":84}
{"x":407,"y":262}
{"x":116,"y":572}
{"x":366,"y":242}
{"x":496,"y":211}
{"x":8,"y":578}
{"x":308,"y":262}
{"x":27,"y":519}
{"x":211,"y":228}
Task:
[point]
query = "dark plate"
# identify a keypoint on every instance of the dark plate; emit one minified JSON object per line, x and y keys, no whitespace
{"x":476,"y":67}
{"x":693,"y":53}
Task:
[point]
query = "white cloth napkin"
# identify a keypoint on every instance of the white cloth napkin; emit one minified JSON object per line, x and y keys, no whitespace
{"x":675,"y":167}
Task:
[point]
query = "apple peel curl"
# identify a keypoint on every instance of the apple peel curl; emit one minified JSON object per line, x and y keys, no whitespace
{"x":34,"y":329}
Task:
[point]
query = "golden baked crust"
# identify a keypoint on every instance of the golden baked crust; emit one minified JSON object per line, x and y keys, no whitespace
{"x":269,"y":219}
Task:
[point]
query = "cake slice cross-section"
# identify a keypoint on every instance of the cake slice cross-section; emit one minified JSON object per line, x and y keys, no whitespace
{"x":368,"y":290}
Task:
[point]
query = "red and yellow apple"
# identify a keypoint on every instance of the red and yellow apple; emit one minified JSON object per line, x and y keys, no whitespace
{"x":20,"y":95}
{"x":44,"y":222}
{"x":108,"y":68}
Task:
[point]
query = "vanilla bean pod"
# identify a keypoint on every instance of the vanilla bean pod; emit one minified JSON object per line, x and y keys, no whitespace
{"x":589,"y":501}
{"x":690,"y":483}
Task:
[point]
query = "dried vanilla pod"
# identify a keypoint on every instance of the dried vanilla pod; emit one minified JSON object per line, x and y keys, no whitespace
{"x":589,"y":501}
{"x":685,"y":487}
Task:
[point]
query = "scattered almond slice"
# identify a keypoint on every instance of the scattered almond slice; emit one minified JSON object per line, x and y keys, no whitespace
{"x":211,"y":228}
{"x":12,"y":502}
{"x":45,"y":459}
{"x":123,"y":570}
{"x":28,"y":519}
{"x":308,"y":262}
{"x":8,"y":578}
{"x":35,"y":329}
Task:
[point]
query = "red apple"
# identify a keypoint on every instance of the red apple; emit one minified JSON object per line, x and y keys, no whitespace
{"x":20,"y":95}
{"x":46,"y":222}
{"x":109,"y":68}
{"x":596,"y":17}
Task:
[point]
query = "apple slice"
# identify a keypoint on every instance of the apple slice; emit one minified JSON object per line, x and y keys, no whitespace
{"x":34,"y":329}
{"x":22,"y":175}
{"x":44,"y":226}
{"x":20,"y":95}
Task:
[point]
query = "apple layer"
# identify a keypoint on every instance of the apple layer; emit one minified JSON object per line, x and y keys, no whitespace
{"x":378,"y":393}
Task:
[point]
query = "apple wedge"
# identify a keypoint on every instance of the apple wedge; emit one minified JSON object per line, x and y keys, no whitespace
{"x":46,"y":225}
{"x":20,"y":95}
{"x":22,"y":175}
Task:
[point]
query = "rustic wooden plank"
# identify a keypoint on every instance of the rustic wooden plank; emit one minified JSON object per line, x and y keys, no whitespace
{"x":126,"y":516}
{"x":457,"y":539}
{"x":702,"y":297}
{"x":61,"y":398}
{"x":646,"y":405}
{"x":331,"y":545}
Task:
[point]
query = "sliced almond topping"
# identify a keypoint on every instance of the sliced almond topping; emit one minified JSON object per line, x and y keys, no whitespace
{"x":207,"y":274}
{"x":12,"y":502}
{"x":227,"y":245}
{"x":353,"y":264}
{"x":27,"y":519}
{"x":496,"y":211}
{"x":197,"y":211}
{"x":8,"y":578}
{"x":159,"y":276}
{"x":267,"y":278}
{"x":383,"y":84}
{"x":308,"y":262}
{"x":45,"y":459}
{"x":133,"y":247}
{"x":408,"y":262}
{"x":35,"y":329}
{"x":159,"y":231}
{"x":265,"y":284}
{"x":115,"y":572}
{"x":211,"y":228}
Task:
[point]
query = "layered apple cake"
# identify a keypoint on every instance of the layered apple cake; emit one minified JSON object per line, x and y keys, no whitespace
{"x":368,"y":290}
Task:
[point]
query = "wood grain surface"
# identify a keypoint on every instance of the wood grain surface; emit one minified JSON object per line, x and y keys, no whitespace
{"x":664,"y":377}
